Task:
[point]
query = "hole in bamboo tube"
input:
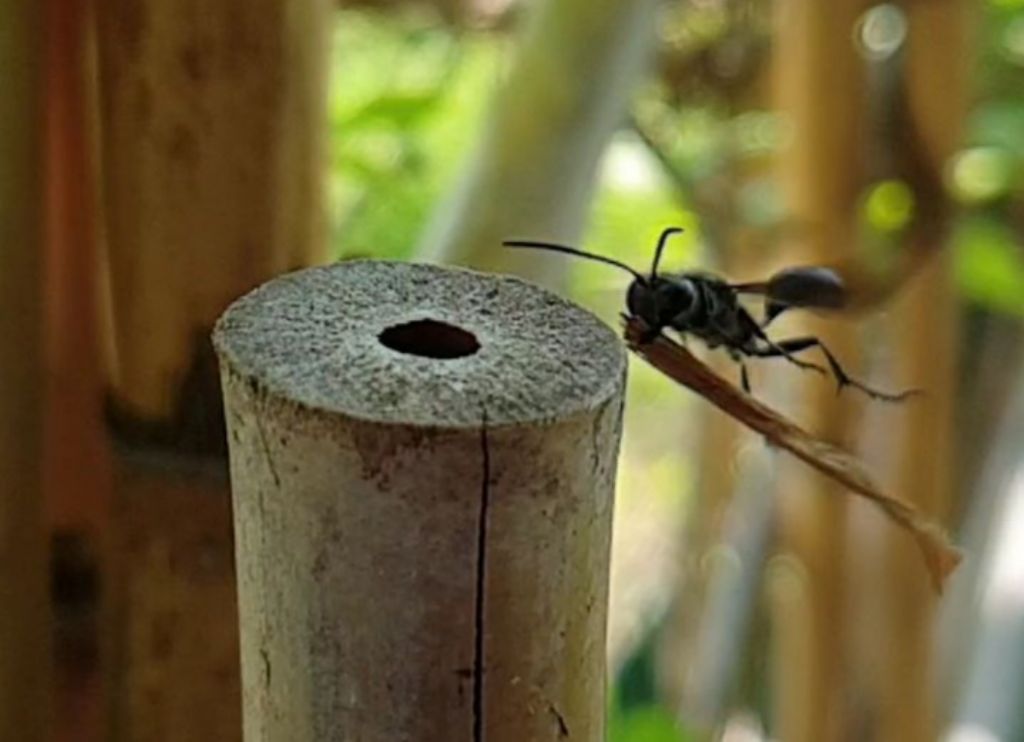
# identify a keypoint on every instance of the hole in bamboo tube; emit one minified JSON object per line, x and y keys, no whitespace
{"x":430,"y":338}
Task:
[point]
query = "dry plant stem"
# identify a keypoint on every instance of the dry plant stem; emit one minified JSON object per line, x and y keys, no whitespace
{"x":673,"y":360}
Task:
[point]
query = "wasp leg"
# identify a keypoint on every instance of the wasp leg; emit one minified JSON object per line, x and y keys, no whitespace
{"x":744,"y":376}
{"x":796,"y":345}
{"x":777,"y":349}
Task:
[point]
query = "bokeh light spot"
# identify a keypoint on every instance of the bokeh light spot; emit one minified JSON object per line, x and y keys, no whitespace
{"x":881,"y":31}
{"x":1013,"y":41}
{"x":981,"y":174}
{"x":889,"y":206}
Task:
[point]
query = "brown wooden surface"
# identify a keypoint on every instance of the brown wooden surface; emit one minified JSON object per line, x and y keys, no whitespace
{"x":77,"y":471}
{"x":76,"y":474}
{"x":213,"y":126}
{"x":24,"y":616}
{"x":213,"y":119}
{"x":175,"y":563}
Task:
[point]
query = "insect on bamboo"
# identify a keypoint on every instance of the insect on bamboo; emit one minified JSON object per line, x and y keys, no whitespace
{"x":707,"y":307}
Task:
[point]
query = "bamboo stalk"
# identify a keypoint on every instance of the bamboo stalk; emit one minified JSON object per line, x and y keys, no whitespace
{"x":423,"y":465}
{"x":76,"y":479}
{"x":820,"y":89}
{"x":24,"y":619}
{"x":213,"y":127}
{"x":925,"y":322}
{"x":212,"y":119}
{"x":76,"y":476}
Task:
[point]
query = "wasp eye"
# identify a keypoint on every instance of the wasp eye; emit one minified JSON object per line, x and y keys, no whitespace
{"x":640,"y":301}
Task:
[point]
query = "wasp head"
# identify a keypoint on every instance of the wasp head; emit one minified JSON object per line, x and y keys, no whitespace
{"x":661,"y":301}
{"x":658,"y":301}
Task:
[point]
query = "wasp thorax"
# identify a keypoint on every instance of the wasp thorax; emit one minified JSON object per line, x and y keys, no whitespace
{"x":676,"y":300}
{"x":676,"y":296}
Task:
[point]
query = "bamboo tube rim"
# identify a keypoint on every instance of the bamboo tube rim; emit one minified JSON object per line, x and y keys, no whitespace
{"x":316,"y":310}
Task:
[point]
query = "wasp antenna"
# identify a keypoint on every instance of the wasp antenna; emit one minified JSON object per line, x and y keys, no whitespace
{"x":668,"y":232}
{"x":573,"y":251}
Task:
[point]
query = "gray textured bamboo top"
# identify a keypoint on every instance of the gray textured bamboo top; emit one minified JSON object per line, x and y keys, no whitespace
{"x":320,"y":337}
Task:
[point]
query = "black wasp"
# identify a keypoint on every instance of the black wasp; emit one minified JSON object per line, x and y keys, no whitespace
{"x":706,"y":306}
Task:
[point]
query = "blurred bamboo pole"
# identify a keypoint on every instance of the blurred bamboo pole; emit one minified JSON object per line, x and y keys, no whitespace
{"x":76,"y":478}
{"x":925,"y":321}
{"x":75,"y":453}
{"x":213,"y":121}
{"x":25,"y":623}
{"x":733,"y":578}
{"x":716,"y":452}
{"x":903,"y":675}
{"x":213,"y":131}
{"x":820,"y":88}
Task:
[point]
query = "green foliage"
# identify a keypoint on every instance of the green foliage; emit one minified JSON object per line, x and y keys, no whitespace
{"x":986,"y":176}
{"x":635,"y":688}
{"x":405,"y":97}
{"x":990,"y":264}
{"x":627,"y":218}
{"x":645,"y":724}
{"x":999,"y":123}
{"x":635,"y":714}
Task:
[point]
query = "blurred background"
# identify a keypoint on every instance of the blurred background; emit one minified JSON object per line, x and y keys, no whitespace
{"x":160,"y":158}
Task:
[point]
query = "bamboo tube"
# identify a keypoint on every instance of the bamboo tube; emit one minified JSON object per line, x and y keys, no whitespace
{"x":76,"y":471}
{"x":24,"y":616}
{"x":213,"y":126}
{"x":820,"y":86}
{"x":925,"y":326}
{"x":76,"y":475}
{"x":423,"y":465}
{"x":176,"y":668}
{"x":212,"y":122}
